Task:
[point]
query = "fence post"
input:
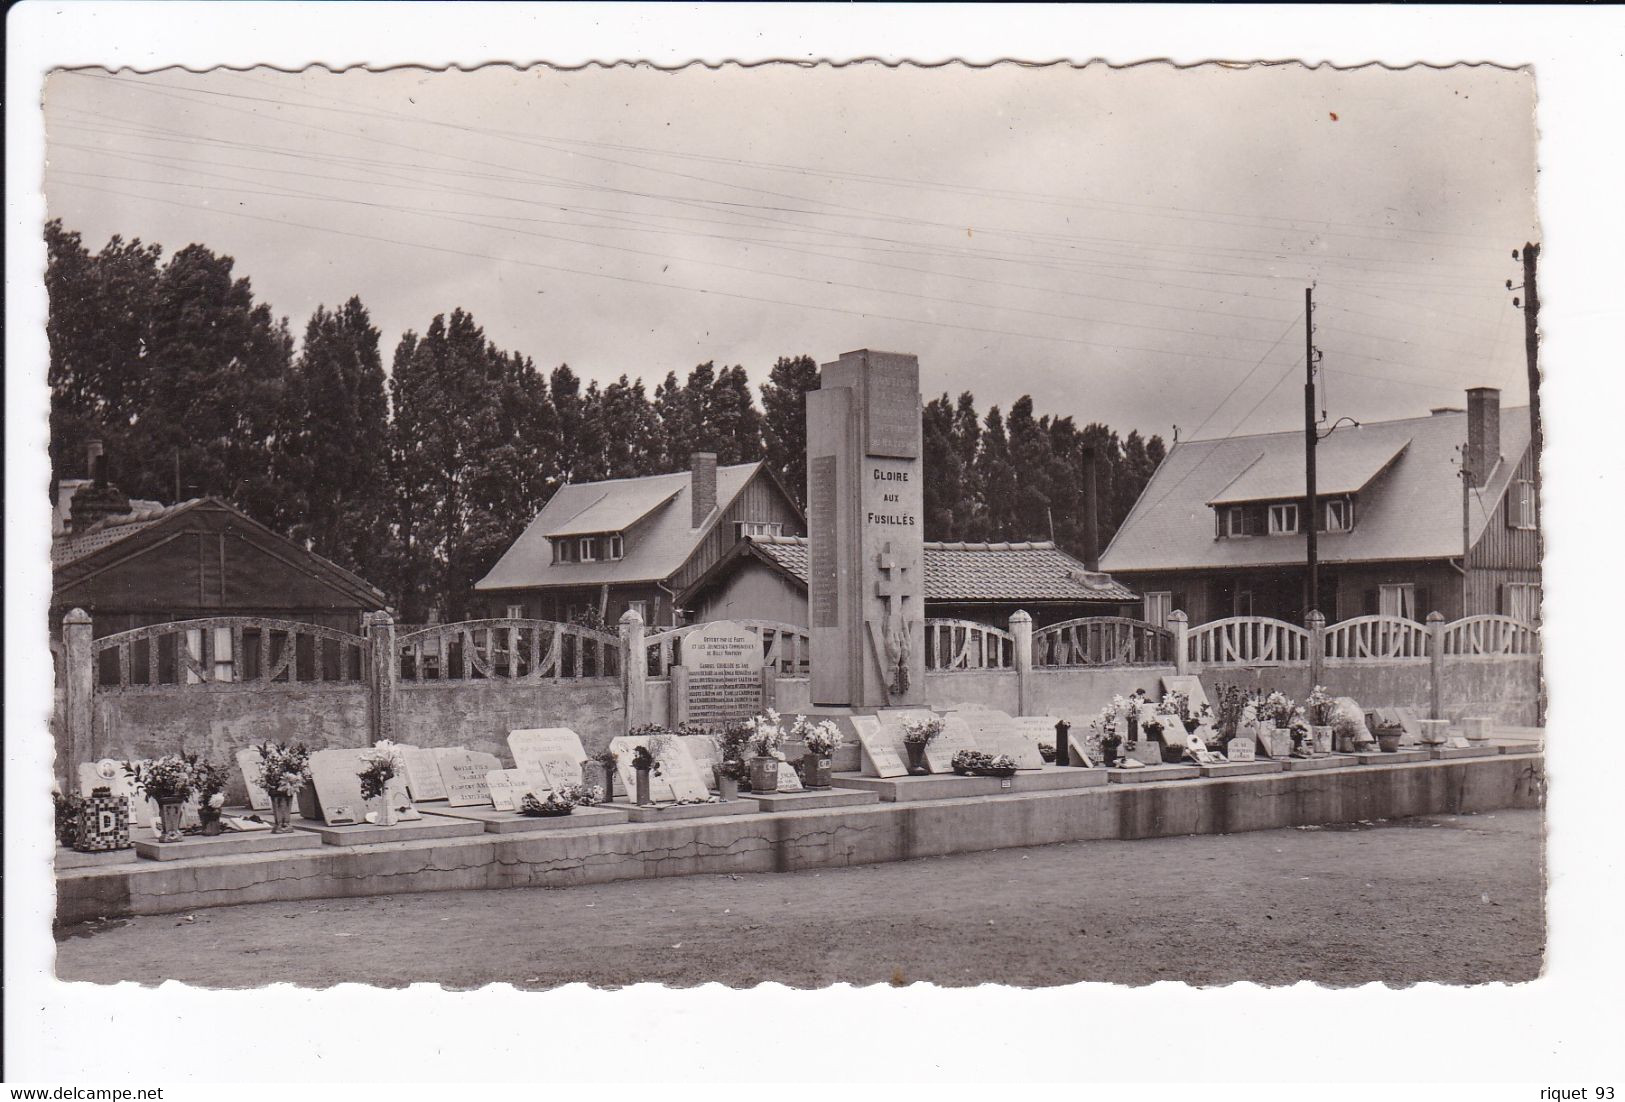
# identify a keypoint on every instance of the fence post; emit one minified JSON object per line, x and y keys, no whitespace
{"x":1316,"y":623}
{"x":79,"y":669}
{"x":634,"y":670}
{"x":1436,"y":665}
{"x":1180,"y":624}
{"x":1021,"y":627}
{"x":385,"y":661}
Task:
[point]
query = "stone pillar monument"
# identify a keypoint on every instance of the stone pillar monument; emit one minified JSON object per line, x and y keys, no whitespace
{"x":866,"y":546}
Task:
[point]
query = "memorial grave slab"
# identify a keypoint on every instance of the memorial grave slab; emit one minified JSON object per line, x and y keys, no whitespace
{"x":423,"y":779}
{"x":956,"y":735}
{"x":1153,"y":773}
{"x":722,"y":662}
{"x":941,"y":786}
{"x":464,"y":772}
{"x":555,"y":752}
{"x":493,"y":821}
{"x":665,"y":813}
{"x":1399,"y":757}
{"x":1190,"y":686}
{"x":1238,"y":768}
{"x":109,"y":773}
{"x":248,"y":764}
{"x":881,"y":751}
{"x":221,"y":845}
{"x":509,"y":786}
{"x":997,"y":733}
{"x":333,"y":795}
{"x":702,"y":751}
{"x":366,"y":834}
{"x":679,"y":778}
{"x":1319,"y":761}
{"x":808,"y":799}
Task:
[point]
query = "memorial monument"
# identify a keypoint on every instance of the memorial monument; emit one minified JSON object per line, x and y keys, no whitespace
{"x":866,"y":541}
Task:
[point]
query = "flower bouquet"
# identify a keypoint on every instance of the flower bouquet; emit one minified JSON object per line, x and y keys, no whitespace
{"x":767,"y":734}
{"x":733,"y":747}
{"x":284,"y":770}
{"x":559,"y":801}
{"x":380,"y":766}
{"x":917,"y":735}
{"x":975,"y":763}
{"x":822,"y":739}
{"x":209,"y":782}
{"x":605,"y":760}
{"x":169,"y":781}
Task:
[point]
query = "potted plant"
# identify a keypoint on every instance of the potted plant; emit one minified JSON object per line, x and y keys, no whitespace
{"x":917,"y":735}
{"x":67,"y":816}
{"x":766,"y":736}
{"x":969,"y":763}
{"x":644,"y":762}
{"x":209,"y":783}
{"x":379,"y":767}
{"x":1108,"y":730}
{"x":733,"y":747}
{"x":284,"y":770}
{"x":1389,"y":734}
{"x":168,"y":781}
{"x":822,"y":740}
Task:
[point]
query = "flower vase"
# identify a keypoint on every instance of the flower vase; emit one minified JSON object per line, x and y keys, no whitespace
{"x":281,"y":813}
{"x":1388,"y":741}
{"x":643,"y":788}
{"x":169,"y":813}
{"x":815,"y":771}
{"x":210,"y":823}
{"x":608,"y":772}
{"x":727,"y":788}
{"x":1322,"y":738}
{"x":764,"y":774}
{"x":916,"y":758}
{"x":383,"y":811}
{"x":1108,"y":750}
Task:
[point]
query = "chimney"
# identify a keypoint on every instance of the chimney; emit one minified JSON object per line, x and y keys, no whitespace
{"x":1091,"y":507}
{"x":703,"y":488}
{"x":1483,"y":433}
{"x":98,"y":500}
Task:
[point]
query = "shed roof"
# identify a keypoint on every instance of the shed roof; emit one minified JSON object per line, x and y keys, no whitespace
{"x":1410,"y":509}
{"x":656,"y":505}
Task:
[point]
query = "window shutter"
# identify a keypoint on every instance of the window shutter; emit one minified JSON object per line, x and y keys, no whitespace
{"x":1513,"y":506}
{"x":1503,"y":599}
{"x":1369,"y":599}
{"x":1218,"y":523}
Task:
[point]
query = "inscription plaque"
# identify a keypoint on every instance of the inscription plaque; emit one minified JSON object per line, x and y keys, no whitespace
{"x":823,"y":593}
{"x":724,"y":664}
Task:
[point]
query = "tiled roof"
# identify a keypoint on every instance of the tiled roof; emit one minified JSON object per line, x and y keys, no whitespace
{"x":1037,"y":571}
{"x":1412,"y":510}
{"x":110,"y":530}
{"x":653,"y":511}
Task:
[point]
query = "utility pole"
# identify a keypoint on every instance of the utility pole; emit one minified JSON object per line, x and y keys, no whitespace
{"x":1310,"y":439}
{"x":1531,"y":352}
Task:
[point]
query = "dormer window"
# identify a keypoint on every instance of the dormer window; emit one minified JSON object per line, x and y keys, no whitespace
{"x":610,"y":547}
{"x":1337,"y":516}
{"x":587,"y":549}
{"x":1283,"y":519}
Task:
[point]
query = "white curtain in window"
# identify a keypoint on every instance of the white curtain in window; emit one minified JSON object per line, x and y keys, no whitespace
{"x":1397,"y":600}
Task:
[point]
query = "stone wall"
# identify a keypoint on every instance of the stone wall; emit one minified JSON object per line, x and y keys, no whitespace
{"x":479,"y":714}
{"x":1506,"y":688}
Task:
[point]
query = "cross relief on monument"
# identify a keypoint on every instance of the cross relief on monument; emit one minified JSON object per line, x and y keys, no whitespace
{"x":896,"y":641}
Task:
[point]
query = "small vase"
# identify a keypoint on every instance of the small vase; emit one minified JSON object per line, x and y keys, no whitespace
{"x":383,"y":812}
{"x":728,"y":788}
{"x":210,"y":822}
{"x":1388,"y":741}
{"x":764,"y":775}
{"x":1108,"y":751}
{"x":916,"y":758}
{"x":815,"y":771}
{"x":643,"y":788}
{"x":281,"y":813}
{"x":170,"y":812}
{"x":609,"y":782}
{"x":1322,"y":738}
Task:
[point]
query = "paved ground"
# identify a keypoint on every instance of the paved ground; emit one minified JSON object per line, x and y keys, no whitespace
{"x":1453,"y":899}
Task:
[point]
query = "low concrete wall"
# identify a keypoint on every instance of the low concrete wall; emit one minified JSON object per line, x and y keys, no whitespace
{"x":1505,"y":688}
{"x":999,"y":689}
{"x":144,"y":723}
{"x":810,"y":839}
{"x":1077,"y":694}
{"x":479,"y":714}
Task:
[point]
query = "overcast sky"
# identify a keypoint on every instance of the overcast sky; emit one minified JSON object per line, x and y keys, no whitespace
{"x":1130,"y":246}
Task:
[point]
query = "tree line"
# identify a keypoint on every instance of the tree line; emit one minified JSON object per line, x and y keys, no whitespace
{"x":419,"y":478}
